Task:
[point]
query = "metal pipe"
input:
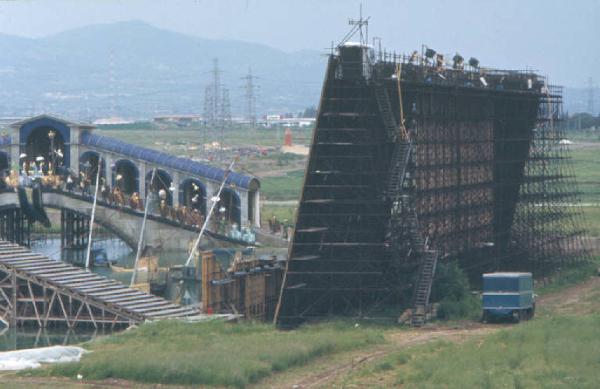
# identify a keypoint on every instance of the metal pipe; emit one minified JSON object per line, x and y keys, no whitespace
{"x":215,"y":200}
{"x":89,"y":248}
{"x":141,"y":239}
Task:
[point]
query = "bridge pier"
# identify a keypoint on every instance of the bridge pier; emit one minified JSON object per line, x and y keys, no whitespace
{"x":14,"y":226}
{"x":74,"y":229}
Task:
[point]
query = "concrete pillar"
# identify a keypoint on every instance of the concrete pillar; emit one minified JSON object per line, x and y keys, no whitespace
{"x":14,"y":148}
{"x":243,"y":195}
{"x":108,"y":160}
{"x":211,"y":190}
{"x":257,"y":209}
{"x":73,"y":144}
{"x":176,"y":180}
{"x":143,"y":170}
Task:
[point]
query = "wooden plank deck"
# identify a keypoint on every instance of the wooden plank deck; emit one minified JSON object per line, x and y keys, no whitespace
{"x":34,"y":288}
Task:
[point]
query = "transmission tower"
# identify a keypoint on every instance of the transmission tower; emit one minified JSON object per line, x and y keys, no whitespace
{"x":224,"y":116}
{"x":225,"y":107}
{"x":590,"y":102}
{"x":208,"y":105}
{"x":212,"y":96}
{"x":250,"y":97}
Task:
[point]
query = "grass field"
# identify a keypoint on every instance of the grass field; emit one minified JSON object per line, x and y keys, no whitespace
{"x":549,"y":352}
{"x":586,"y":165}
{"x":285,"y":187}
{"x":281,"y":212}
{"x":151,"y":135}
{"x":212,"y":353}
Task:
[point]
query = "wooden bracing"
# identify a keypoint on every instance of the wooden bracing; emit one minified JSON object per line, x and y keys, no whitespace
{"x":35,"y":290}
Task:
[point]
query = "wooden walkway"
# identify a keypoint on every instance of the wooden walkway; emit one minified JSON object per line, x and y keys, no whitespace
{"x":40,"y":291}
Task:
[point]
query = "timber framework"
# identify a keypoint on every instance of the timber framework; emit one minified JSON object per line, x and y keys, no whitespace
{"x":414,"y":162}
{"x":38,"y":291}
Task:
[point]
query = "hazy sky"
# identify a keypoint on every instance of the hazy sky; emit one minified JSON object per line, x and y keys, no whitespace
{"x":559,"y":38}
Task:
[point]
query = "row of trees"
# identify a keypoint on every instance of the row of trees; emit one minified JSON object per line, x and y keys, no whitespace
{"x":581,"y":121}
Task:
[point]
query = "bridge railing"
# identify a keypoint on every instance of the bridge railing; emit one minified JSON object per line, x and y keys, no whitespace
{"x":180,"y":216}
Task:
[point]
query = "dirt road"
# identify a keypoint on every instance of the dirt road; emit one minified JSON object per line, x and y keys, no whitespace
{"x":580,"y":299}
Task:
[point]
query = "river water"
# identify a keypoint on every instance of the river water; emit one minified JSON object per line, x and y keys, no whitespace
{"x":21,"y":338}
{"x":115,"y":248}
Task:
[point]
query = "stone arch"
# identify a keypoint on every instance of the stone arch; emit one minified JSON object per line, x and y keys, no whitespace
{"x":126,"y":176}
{"x":39,"y":129}
{"x":162,"y":181}
{"x":192,"y":194}
{"x":88,"y":165}
{"x":44,"y":146}
{"x":229,"y":206}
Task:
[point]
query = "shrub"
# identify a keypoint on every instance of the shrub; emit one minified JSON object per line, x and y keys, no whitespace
{"x":452,"y":290}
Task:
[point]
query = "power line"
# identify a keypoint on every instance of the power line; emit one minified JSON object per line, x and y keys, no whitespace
{"x":250,"y":98}
{"x":213,"y":96}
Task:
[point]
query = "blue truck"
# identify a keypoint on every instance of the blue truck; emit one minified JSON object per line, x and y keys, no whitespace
{"x":508,"y":295}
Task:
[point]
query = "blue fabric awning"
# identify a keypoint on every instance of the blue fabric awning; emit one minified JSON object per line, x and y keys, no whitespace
{"x":165,"y":160}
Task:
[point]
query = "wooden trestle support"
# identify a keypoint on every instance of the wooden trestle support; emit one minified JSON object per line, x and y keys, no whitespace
{"x":35,"y":290}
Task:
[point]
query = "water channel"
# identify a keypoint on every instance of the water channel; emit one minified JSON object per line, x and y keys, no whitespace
{"x":115,"y":249}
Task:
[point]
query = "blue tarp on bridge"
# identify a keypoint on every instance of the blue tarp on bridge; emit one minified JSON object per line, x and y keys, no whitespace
{"x":165,"y":160}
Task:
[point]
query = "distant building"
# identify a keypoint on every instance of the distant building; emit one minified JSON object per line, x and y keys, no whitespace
{"x":179,"y":120}
{"x":278,"y":120}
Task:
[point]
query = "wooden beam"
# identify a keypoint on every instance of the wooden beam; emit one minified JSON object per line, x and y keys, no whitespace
{"x":91,"y":315}
{"x":49,"y":309}
{"x":37,"y":314}
{"x":64,"y":310}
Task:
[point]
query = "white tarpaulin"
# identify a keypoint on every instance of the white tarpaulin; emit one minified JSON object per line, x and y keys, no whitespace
{"x":34,"y":357}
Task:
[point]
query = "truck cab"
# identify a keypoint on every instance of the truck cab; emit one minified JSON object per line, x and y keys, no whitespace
{"x":508,"y":295}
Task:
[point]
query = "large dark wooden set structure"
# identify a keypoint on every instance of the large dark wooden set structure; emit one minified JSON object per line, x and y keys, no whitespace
{"x":414,"y":162}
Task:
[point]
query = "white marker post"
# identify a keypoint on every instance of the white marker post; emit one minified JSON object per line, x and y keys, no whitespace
{"x":89,"y":248}
{"x":215,"y":200}
{"x":141,"y":239}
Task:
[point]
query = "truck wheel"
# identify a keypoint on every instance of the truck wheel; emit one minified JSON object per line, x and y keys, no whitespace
{"x":517,"y":316}
{"x":484,"y":317}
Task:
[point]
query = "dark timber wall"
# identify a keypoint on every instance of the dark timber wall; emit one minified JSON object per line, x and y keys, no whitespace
{"x":473,"y":145}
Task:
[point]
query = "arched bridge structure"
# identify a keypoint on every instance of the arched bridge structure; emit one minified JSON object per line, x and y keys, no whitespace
{"x":161,"y":232}
{"x":46,"y":143}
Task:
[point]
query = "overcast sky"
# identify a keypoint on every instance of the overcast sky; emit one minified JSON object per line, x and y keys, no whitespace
{"x":559,"y":38}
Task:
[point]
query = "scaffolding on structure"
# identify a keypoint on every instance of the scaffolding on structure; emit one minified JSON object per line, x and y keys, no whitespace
{"x":460,"y":163}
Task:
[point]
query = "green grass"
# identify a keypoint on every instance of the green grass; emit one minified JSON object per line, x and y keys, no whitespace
{"x":281,"y":212}
{"x":570,"y":276}
{"x":544,"y":353}
{"x":591,"y":217}
{"x":586,"y":163}
{"x":212,"y":353}
{"x":146,"y":134}
{"x":283,"y":187}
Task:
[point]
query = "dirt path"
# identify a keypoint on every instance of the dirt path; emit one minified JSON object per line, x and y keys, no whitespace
{"x":326,"y":370}
{"x":579,"y":299}
{"x":582,"y":298}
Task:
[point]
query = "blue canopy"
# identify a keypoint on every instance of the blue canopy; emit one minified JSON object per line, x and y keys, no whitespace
{"x":197,"y":169}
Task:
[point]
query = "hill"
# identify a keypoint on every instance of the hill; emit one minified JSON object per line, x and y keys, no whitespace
{"x":135,"y":70}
